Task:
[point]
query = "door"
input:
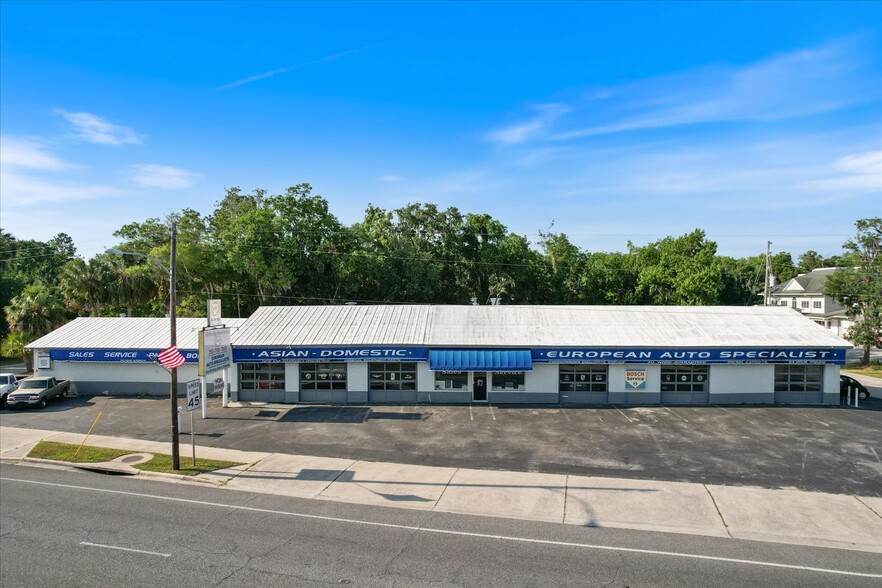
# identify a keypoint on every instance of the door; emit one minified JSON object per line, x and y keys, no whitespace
{"x":479,"y":387}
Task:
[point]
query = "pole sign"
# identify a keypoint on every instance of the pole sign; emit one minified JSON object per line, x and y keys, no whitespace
{"x":192,"y":395}
{"x":214,"y":313}
{"x":215,"y":353}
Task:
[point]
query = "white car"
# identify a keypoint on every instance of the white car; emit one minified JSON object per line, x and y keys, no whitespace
{"x":8,"y":383}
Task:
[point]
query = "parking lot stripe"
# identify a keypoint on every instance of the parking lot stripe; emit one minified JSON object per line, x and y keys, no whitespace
{"x":471,"y":413}
{"x":491,"y":412}
{"x":564,"y":413}
{"x":737,"y":415}
{"x":623,"y":414}
{"x":674,"y":413}
{"x":812,"y":420}
{"x":876,"y":455}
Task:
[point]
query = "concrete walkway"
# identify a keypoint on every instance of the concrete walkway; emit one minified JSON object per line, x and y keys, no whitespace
{"x":786,"y":516}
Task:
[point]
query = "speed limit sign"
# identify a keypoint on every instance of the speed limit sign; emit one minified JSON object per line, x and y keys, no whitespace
{"x":192,"y":395}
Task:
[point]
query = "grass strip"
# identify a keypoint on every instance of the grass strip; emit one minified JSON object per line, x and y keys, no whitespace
{"x":162,"y":463}
{"x":65,"y":452}
{"x":874,"y":369}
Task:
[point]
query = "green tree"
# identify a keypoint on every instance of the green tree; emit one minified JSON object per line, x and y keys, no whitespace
{"x":678,"y":270}
{"x":14,"y":346}
{"x":566,"y":270}
{"x":26,"y":262}
{"x":809,"y":261}
{"x":36,"y":311}
{"x":859,"y":289}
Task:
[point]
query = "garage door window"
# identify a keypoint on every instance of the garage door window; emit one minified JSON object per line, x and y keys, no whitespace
{"x":582,"y":378}
{"x":323,"y":376}
{"x":393,"y":376}
{"x":262,"y":376}
{"x":798,"y":378}
{"x":684,"y":378}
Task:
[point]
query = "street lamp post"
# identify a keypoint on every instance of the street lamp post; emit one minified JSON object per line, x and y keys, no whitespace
{"x":172,"y":313}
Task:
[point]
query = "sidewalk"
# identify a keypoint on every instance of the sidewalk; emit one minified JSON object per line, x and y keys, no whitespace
{"x":785,"y":516}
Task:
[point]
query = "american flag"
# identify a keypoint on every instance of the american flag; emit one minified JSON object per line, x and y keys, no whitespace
{"x":171,"y":358}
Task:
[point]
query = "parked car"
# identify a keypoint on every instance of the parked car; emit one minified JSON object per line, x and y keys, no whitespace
{"x":37,"y":391}
{"x":8,"y":383}
{"x":846,"y":382}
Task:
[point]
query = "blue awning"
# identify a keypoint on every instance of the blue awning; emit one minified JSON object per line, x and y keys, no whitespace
{"x":470,"y":360}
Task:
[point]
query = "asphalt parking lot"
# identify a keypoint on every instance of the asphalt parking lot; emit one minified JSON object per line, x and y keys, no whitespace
{"x":828,"y":449}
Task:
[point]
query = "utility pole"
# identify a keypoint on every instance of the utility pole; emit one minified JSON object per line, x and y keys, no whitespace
{"x":172,"y":313}
{"x":768,"y":272}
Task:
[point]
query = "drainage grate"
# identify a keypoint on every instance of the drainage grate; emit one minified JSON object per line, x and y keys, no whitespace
{"x":268,"y":413}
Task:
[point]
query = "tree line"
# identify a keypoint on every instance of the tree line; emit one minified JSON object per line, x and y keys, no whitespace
{"x":259,"y":249}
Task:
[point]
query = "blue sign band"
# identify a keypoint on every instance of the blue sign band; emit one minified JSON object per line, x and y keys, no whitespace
{"x":117,"y":355}
{"x":327,"y":354}
{"x":689,"y":355}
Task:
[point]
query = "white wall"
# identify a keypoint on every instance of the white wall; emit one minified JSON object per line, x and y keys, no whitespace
{"x":292,"y":377}
{"x":425,"y":377}
{"x":543,"y":378}
{"x":831,"y":379}
{"x":742,"y":379}
{"x":357,"y":376}
{"x":116,"y":372}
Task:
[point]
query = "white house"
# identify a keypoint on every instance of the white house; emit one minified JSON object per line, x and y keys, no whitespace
{"x":805,"y":293}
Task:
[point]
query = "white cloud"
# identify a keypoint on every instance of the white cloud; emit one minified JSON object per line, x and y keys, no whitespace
{"x":856,"y":172}
{"x":530,"y":129}
{"x":789,"y":85}
{"x":94,"y":129}
{"x":271,"y":73}
{"x":26,"y":190}
{"x":21,"y":163}
{"x":28,"y":153}
{"x":151,"y":175}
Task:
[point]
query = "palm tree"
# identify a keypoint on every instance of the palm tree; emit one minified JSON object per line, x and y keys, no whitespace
{"x":35,"y":312}
{"x":84,"y":285}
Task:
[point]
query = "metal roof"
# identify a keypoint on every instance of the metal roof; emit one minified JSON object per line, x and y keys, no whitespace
{"x":533,"y":326}
{"x":334,"y":325}
{"x":125,"y":333}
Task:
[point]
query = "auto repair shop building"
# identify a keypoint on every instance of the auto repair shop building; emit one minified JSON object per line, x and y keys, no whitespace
{"x":117,"y":356}
{"x":500,"y":354}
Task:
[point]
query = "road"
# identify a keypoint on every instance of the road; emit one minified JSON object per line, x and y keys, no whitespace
{"x":71,"y":528}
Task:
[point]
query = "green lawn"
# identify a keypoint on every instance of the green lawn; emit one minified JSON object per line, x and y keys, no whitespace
{"x":874,"y":369}
{"x":160,"y":462}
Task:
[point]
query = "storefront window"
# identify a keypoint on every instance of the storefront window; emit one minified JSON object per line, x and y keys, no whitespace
{"x":393,"y":376}
{"x":451,"y":380}
{"x":323,"y":376}
{"x":582,"y":378}
{"x":262,"y":376}
{"x":684,"y":378}
{"x":508,"y":381}
{"x":798,"y":378}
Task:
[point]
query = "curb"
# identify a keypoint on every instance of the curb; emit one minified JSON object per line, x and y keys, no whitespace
{"x":113,"y":468}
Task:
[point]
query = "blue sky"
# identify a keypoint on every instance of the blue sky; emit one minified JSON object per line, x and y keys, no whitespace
{"x":605,"y":121}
